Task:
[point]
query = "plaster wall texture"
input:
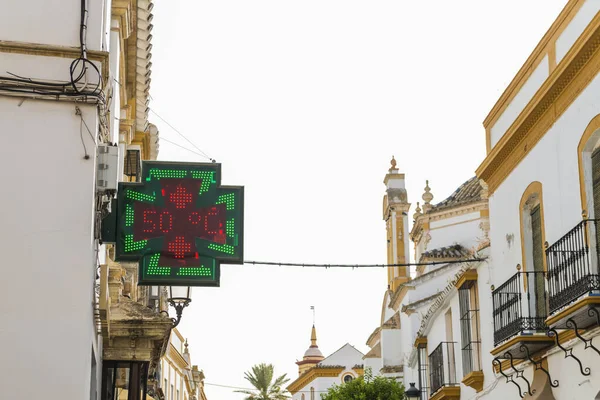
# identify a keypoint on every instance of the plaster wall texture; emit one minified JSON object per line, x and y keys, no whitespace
{"x":48,"y":248}
{"x":391,"y":347}
{"x":466,"y":234}
{"x":346,"y":355}
{"x":510,"y":114}
{"x":554,"y":163}
{"x":576,"y":27}
{"x":54,"y":22}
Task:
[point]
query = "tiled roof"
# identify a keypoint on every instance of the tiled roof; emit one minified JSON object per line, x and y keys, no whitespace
{"x":419,"y":303}
{"x":468,"y":192}
{"x":454,"y":251}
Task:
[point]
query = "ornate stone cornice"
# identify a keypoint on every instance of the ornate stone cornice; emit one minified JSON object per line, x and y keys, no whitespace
{"x":565,"y":83}
{"x":311,"y":375}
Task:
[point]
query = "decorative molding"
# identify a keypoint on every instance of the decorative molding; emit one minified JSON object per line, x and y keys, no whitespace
{"x":46,"y":50}
{"x":469,"y":275}
{"x":121,"y":10}
{"x":447,"y":393}
{"x":474,"y":380}
{"x":420,"y":341}
{"x":572,"y":75}
{"x":311,"y":375}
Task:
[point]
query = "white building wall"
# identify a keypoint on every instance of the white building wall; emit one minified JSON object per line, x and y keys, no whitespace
{"x":391,"y":349}
{"x":554,"y":163}
{"x":463,"y":230}
{"x":53,"y":22}
{"x":576,"y":27}
{"x":518,"y":103}
{"x":48,"y":249}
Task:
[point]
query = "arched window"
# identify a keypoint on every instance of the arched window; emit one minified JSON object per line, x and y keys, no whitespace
{"x":312,"y":393}
{"x":347,"y":378}
{"x":533,"y":248}
{"x":302,"y":396}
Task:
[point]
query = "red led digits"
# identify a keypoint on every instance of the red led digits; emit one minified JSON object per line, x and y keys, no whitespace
{"x":165,"y":220}
{"x":173,"y":225}
{"x":149,"y":224}
{"x":208,"y":221}
{"x":195,"y":218}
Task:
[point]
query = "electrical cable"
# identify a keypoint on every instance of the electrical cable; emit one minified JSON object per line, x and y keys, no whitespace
{"x":183,"y":147}
{"x":255,"y":389}
{"x":182,"y":135}
{"x":288,"y":264}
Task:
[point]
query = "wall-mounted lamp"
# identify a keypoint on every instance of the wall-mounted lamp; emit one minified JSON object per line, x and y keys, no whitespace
{"x":179,"y":298}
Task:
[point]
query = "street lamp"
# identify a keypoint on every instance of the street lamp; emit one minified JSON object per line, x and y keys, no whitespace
{"x":179,"y":298}
{"x":412,"y":393}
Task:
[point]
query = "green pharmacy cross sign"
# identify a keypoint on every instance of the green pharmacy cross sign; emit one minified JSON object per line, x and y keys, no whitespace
{"x":180,"y":224}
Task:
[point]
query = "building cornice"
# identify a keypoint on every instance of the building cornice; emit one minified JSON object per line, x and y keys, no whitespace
{"x":311,"y":375}
{"x":577,"y":69}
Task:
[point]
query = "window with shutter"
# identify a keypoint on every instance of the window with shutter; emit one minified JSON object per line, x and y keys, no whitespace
{"x":538,"y":262}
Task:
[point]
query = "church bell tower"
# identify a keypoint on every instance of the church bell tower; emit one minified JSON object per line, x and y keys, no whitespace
{"x":395,"y":215}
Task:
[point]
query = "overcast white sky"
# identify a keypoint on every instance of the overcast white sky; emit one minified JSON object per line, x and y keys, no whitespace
{"x":304,"y":103}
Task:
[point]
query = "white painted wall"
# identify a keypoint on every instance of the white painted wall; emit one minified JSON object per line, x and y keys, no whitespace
{"x":52,"y":22}
{"x":510,"y":114}
{"x":48,"y":250}
{"x":346,"y":355}
{"x":569,"y":36}
{"x":391,"y":349}
{"x":554,"y":163}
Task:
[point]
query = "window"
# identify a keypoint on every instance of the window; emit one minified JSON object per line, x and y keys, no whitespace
{"x":303,"y":396}
{"x":177,"y":394}
{"x":423,"y":371}
{"x":533,"y":253}
{"x":312,"y":393}
{"x":348,"y":378}
{"x":469,"y":327}
{"x":171,"y":396}
{"x":165,"y":390}
{"x":120,"y":377}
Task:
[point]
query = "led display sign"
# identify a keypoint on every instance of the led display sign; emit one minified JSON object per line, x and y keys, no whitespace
{"x":180,"y":224}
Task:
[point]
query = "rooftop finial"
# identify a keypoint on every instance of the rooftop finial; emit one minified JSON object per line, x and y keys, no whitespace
{"x":417,"y":213}
{"x":186,"y":347}
{"x":393,"y":163}
{"x":427,"y":197}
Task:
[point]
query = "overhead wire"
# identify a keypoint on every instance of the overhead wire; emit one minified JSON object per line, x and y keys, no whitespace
{"x":182,"y":147}
{"x":417,"y":264}
{"x":182,"y":135}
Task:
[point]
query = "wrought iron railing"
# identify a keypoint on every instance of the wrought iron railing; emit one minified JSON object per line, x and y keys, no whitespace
{"x":519,"y":305}
{"x":571,"y":265}
{"x":442,"y":368}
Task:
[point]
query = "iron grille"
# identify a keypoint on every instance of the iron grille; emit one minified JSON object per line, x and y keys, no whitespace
{"x":519,"y":305}
{"x":469,"y":330}
{"x":442,"y":367}
{"x":569,"y":263}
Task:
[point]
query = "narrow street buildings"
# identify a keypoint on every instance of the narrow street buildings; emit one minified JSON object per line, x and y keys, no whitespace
{"x":74,"y":87}
{"x":511,"y":306}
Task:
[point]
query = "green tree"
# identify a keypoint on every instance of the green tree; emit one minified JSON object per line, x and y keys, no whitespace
{"x":367,"y":388}
{"x":261,"y":377}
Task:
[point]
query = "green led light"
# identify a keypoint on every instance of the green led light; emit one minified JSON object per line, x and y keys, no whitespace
{"x":132,"y":245}
{"x":228,"y":199}
{"x":154,"y":269}
{"x":223,"y":248}
{"x":167,"y":173}
{"x":208,"y":178}
{"x":230,"y":227}
{"x":132,"y":194}
{"x":129,"y":215}
{"x":195,"y":271}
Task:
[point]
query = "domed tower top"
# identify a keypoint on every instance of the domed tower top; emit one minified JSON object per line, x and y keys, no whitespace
{"x":312,"y":356}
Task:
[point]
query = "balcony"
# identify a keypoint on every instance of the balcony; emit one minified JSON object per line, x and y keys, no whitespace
{"x":573,"y":280}
{"x":442,"y":373}
{"x":520,"y":312}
